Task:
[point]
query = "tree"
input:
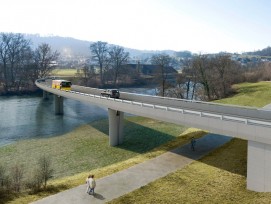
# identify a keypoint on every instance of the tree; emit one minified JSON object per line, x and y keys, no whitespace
{"x":162,"y":61}
{"x":118,"y":57}
{"x":14,"y":50}
{"x":224,"y":73}
{"x":200,"y":66}
{"x":87,"y":75}
{"x":45,"y":170}
{"x":99,"y":51}
{"x":17,"y":173}
{"x":44,"y":60}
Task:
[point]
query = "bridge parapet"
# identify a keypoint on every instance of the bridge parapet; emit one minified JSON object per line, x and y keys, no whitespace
{"x":247,"y":123}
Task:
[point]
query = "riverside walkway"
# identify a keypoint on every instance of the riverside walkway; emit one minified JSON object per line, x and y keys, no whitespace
{"x":125,"y":181}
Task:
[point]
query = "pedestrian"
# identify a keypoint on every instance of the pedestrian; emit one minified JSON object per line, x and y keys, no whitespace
{"x":91,"y":184}
{"x":193,"y":143}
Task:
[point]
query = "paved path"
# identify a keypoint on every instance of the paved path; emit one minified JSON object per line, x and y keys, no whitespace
{"x":125,"y":181}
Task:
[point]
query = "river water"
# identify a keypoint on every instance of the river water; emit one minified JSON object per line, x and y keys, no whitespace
{"x":24,"y":117}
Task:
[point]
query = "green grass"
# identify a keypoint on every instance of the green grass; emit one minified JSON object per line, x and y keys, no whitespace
{"x":250,"y":94}
{"x":86,"y":149}
{"x":219,"y":177}
{"x":64,"y":72}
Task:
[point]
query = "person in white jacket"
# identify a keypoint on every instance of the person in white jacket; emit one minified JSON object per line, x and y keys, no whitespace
{"x":91,"y":184}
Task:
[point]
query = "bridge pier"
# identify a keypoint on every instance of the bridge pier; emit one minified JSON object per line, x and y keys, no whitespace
{"x":58,"y":105}
{"x":115,"y":127}
{"x":259,"y":167}
{"x":45,"y":95}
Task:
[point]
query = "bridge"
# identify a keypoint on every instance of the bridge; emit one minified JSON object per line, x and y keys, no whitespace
{"x":247,"y":123}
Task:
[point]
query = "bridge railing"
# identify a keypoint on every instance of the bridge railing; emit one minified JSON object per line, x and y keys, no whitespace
{"x":206,"y":114}
{"x":183,"y":111}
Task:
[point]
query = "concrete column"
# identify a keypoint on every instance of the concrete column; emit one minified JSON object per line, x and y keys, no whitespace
{"x":259,"y":167}
{"x":58,"y":105}
{"x":45,"y":95}
{"x":115,"y":127}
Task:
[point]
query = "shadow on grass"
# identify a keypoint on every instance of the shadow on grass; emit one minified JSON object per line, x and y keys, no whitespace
{"x":219,"y":151}
{"x":251,"y":88}
{"x":231,"y":157}
{"x":137,"y":138}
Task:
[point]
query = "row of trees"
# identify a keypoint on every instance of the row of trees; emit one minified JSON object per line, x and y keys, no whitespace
{"x":210,"y":77}
{"x":20,"y":65}
{"x":206,"y":77}
{"x":110,"y":59}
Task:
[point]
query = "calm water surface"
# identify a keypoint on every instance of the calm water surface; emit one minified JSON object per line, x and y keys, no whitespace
{"x":32,"y":117}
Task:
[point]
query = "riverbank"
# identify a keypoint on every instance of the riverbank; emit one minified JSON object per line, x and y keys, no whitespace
{"x":222,"y":173}
{"x":86,"y":149}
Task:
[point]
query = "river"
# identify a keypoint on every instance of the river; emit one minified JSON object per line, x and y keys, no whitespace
{"x":25,"y":117}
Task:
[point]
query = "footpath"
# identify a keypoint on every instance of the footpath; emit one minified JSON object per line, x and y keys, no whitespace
{"x":125,"y":181}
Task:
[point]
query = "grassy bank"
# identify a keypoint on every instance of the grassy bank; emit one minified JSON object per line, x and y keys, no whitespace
{"x":250,"y":94}
{"x":64,"y":72}
{"x":219,"y":177}
{"x":86,"y":150}
{"x":87,"y":147}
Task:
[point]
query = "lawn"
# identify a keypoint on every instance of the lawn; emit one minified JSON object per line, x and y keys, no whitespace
{"x":86,"y":149}
{"x":250,"y":94}
{"x":219,"y":177}
{"x":64,"y":72}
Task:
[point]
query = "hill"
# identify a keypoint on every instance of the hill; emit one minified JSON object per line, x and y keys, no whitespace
{"x":71,"y":47}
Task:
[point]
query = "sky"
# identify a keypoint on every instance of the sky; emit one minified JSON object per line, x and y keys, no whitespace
{"x":200,"y":26}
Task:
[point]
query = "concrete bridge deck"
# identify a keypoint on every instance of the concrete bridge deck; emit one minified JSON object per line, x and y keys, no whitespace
{"x":250,"y":124}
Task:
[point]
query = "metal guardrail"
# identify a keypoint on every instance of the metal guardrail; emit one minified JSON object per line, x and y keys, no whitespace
{"x":180,"y":110}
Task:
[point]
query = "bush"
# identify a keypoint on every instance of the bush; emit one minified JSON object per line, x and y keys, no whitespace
{"x":35,"y":183}
{"x":44,"y":171}
{"x":17,"y":177}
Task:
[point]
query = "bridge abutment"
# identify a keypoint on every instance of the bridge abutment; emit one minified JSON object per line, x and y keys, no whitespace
{"x":115,"y":127}
{"x":58,"y":105}
{"x":259,"y":167}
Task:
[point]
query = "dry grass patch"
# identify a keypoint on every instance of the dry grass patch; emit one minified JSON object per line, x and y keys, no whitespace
{"x":219,"y":177}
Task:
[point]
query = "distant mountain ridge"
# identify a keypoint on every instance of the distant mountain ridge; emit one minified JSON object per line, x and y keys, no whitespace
{"x":71,"y":47}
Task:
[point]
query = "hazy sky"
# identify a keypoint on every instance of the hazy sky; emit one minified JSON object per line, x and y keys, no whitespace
{"x":195,"y":25}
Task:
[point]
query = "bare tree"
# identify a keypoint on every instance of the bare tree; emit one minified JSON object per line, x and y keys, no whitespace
{"x":162,"y":61}
{"x":200,"y":66}
{"x":224,"y":72}
{"x":44,"y":60}
{"x":87,"y":75}
{"x":17,"y":173}
{"x":45,"y":169}
{"x":187,"y":79}
{"x":99,"y":51}
{"x":2,"y":176}
{"x":118,"y":58}
{"x":13,"y":49}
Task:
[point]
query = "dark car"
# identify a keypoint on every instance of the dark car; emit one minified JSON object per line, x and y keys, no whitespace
{"x":112,"y":93}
